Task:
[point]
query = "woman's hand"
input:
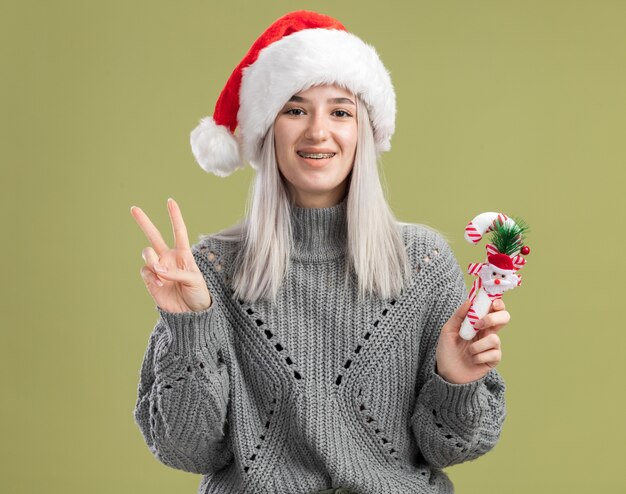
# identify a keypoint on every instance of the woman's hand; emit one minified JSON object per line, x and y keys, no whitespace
{"x":171,"y":275}
{"x":460,"y":361}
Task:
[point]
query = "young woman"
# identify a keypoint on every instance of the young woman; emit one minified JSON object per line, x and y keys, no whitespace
{"x":315,"y":345}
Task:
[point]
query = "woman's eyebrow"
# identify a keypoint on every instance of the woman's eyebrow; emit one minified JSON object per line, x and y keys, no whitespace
{"x":345,"y":101}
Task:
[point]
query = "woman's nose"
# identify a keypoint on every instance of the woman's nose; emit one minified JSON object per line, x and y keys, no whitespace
{"x":317,"y":129}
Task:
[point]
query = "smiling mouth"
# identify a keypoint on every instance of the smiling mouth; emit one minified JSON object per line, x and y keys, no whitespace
{"x":316,"y":156}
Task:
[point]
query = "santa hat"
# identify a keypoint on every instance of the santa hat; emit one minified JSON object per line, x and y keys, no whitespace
{"x":502,"y":263}
{"x":300,"y":50}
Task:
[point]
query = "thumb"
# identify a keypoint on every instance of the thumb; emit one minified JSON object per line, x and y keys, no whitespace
{"x":455,"y":321}
{"x":188,"y":278}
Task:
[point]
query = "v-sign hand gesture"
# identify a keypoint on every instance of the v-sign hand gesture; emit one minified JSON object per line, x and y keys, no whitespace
{"x":171,"y":275}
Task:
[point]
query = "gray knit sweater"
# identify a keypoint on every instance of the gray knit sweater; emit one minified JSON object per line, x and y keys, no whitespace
{"x":320,"y":390}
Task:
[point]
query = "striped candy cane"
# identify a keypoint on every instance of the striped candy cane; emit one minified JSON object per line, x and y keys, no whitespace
{"x":484,"y":223}
{"x":480,"y":302}
{"x":480,"y":299}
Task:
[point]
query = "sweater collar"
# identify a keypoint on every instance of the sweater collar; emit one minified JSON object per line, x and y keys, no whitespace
{"x":319,"y":234}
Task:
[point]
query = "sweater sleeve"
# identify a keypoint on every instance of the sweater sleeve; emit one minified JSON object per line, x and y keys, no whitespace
{"x":183,"y":392}
{"x":453,"y":423}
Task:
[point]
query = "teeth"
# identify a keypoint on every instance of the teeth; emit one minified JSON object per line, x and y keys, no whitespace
{"x":316,"y":155}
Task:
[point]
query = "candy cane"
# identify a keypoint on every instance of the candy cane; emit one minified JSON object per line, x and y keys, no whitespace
{"x":480,"y":299}
{"x":482,"y":224}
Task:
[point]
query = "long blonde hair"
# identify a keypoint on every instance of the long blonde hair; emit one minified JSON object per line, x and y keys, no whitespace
{"x":375,"y":250}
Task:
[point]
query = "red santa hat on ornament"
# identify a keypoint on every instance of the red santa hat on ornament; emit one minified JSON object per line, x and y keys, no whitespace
{"x":300,"y":50}
{"x":502,"y":262}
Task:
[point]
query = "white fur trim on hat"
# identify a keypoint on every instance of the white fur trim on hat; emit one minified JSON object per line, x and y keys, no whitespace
{"x":215,"y":148}
{"x":308,"y":58}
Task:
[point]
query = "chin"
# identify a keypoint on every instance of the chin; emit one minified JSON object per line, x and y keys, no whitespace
{"x":317,"y":188}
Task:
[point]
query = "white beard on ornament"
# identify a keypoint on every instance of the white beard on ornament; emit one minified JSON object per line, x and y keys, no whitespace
{"x":496,"y":281}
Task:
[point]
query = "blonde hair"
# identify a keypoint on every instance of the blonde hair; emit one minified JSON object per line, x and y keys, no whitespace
{"x":375,"y":249}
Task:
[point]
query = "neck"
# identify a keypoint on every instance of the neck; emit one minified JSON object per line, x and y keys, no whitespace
{"x":319,"y":233}
{"x":322,"y":200}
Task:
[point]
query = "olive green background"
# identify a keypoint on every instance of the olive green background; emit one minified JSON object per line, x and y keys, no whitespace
{"x":505,"y":106}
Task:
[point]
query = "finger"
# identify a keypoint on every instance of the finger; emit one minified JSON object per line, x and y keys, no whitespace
{"x":182,"y":276}
{"x":150,"y":278}
{"x":152,"y":233}
{"x":494,"y":320}
{"x":454,"y":323}
{"x":490,"y":357}
{"x":489,"y":342}
{"x":181,"y":239}
{"x":459,"y":315}
{"x":152,"y":260}
{"x":149,"y":256}
{"x":497,"y":305}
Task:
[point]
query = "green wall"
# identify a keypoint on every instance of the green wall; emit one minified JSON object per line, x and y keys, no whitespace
{"x":509,"y":106}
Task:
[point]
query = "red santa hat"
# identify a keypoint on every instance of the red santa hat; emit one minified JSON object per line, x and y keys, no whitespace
{"x":502,"y":263}
{"x":300,"y":50}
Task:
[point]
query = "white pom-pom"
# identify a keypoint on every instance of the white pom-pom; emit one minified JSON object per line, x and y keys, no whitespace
{"x":216,"y":150}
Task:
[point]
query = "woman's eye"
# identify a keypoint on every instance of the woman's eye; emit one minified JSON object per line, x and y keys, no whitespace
{"x":341,"y":113}
{"x":294,"y":111}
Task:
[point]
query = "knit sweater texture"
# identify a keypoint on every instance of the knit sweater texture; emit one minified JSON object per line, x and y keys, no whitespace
{"x":319,"y":390}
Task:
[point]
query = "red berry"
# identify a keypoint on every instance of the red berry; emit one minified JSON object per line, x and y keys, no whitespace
{"x":525,"y":250}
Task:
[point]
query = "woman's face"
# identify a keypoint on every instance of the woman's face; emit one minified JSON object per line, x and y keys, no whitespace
{"x":315,"y":136}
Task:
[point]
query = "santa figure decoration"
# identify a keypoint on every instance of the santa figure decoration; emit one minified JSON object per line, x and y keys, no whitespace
{"x":498,"y":273}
